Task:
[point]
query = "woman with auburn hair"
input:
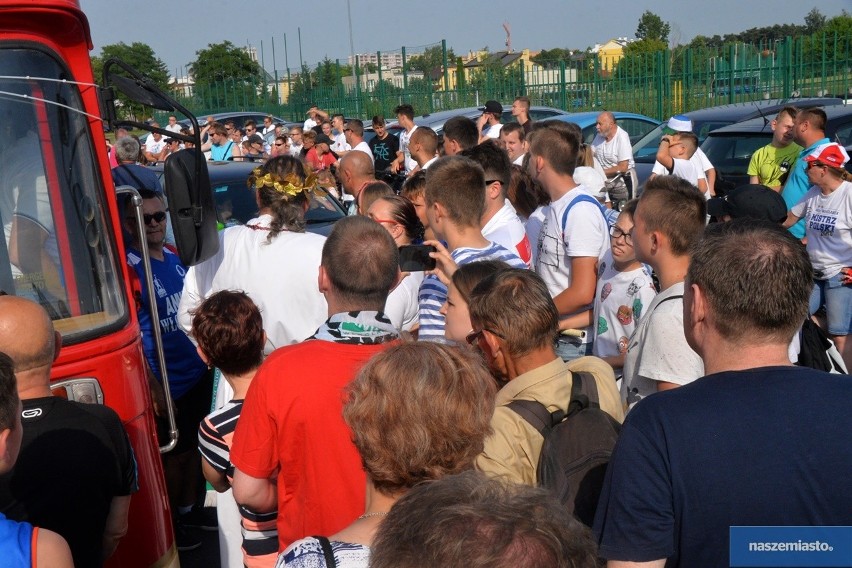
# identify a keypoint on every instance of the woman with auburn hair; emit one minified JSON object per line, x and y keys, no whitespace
{"x":431,"y":425}
{"x":271,"y":258}
{"x":398,"y":216}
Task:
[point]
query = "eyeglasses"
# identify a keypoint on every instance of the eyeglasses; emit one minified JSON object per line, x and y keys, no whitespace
{"x":157,"y":217}
{"x":474,"y":336}
{"x":815,"y":165}
{"x":616,"y":232}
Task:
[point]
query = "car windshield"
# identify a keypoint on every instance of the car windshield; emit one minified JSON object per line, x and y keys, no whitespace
{"x":236,"y":204}
{"x":731,"y":153}
{"x":58,"y":249}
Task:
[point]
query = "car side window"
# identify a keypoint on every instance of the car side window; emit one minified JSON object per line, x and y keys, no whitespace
{"x":843,"y":134}
{"x":635,"y":128}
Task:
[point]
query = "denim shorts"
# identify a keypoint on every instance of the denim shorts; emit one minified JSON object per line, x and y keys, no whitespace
{"x":570,"y":348}
{"x":837,"y":299}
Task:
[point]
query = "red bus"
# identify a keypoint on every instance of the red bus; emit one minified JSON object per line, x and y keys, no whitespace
{"x":63,"y":246}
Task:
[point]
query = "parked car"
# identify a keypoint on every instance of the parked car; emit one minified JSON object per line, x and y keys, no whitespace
{"x":706,"y":120}
{"x":730,"y":148}
{"x":236,"y":204}
{"x":436,"y":120}
{"x":636,"y":125}
{"x":240,"y":119}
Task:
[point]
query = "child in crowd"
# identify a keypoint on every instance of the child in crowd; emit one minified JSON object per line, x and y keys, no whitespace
{"x":675,"y":154}
{"x":229,"y":331}
{"x":624,"y":289}
{"x":462,"y":283}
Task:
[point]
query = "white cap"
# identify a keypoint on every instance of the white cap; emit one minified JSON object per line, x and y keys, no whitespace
{"x":679,"y":123}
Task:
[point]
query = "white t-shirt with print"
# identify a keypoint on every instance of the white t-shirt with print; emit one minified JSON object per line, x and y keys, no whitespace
{"x":658,"y":351}
{"x":620,"y":300}
{"x":609,"y":153}
{"x":699,"y":158}
{"x":404,"y":141}
{"x":586,"y":234}
{"x":828,"y":226}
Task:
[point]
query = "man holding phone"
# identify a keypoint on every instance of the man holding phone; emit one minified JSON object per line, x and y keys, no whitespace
{"x":455,"y":202}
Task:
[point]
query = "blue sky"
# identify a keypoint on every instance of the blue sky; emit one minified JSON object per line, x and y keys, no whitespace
{"x":176,"y":29}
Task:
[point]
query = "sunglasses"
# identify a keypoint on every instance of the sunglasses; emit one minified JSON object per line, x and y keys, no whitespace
{"x":279,"y":144}
{"x":815,"y":165}
{"x":474,"y":336}
{"x":157,"y":217}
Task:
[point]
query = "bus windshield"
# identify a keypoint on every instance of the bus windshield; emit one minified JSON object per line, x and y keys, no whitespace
{"x":58,"y":248}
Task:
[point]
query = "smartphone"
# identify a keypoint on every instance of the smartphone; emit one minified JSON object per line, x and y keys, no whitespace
{"x":415,"y":258}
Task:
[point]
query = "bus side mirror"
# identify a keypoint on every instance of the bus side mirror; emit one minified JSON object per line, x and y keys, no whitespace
{"x":191,"y":206}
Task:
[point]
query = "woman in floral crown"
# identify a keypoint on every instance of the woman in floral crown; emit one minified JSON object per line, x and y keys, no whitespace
{"x":271,"y":257}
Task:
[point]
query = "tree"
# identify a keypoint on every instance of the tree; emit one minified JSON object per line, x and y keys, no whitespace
{"x":651,"y":26}
{"x":550,"y":58}
{"x":431,"y":61}
{"x":225,"y":74}
{"x":640,"y":59}
{"x":814,"y":21}
{"x":141,"y":57}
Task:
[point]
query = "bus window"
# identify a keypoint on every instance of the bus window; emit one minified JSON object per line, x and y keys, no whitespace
{"x":58,"y":249}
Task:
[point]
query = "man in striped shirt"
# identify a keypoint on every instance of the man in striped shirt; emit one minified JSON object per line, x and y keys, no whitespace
{"x":455,"y":202}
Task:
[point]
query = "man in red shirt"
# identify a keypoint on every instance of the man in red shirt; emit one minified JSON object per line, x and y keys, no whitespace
{"x":291,"y":448}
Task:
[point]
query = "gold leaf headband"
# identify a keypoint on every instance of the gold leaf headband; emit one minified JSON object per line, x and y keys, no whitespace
{"x":289,"y":184}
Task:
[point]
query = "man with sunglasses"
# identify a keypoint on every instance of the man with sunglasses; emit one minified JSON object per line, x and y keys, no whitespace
{"x":514,"y":322}
{"x":190,"y":383}
{"x":280,"y":147}
{"x":809,"y":133}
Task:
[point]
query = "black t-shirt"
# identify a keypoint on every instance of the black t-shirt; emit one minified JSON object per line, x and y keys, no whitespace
{"x":74,"y":459}
{"x":384,"y":150}
{"x":768,"y":446}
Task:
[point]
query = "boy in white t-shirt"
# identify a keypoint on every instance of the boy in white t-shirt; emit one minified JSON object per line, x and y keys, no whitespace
{"x":625,"y":288}
{"x":674,"y":154}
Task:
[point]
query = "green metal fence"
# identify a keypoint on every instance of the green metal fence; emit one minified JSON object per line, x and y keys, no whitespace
{"x":656,"y":84}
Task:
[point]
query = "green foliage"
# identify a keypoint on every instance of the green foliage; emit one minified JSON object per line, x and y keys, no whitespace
{"x":226,"y":77}
{"x":141,"y":57}
{"x":640,"y":58}
{"x":652,"y":27}
{"x":431,"y":61}
{"x":814,"y":21}
{"x":550,"y":58}
{"x":223,"y":62}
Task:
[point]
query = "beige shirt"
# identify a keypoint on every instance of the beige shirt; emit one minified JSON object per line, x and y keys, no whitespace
{"x":513,"y":449}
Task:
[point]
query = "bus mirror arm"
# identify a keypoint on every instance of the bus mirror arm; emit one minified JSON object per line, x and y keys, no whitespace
{"x":136,"y":201}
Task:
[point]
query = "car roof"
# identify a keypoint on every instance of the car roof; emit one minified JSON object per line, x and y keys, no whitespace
{"x":583,"y":119}
{"x":760,"y":124}
{"x":742,"y":111}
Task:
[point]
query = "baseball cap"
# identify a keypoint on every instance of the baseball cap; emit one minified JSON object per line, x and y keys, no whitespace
{"x":492,"y":106}
{"x":754,"y":201}
{"x":831,"y":154}
{"x":323,"y":139}
{"x":678,"y":123}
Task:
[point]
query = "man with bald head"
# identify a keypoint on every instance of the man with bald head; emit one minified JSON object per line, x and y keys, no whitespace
{"x":76,"y":469}
{"x":354,"y":171}
{"x":611,"y":146}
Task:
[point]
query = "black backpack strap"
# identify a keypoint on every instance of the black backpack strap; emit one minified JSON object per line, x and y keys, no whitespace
{"x":327,"y":552}
{"x":533,"y":412}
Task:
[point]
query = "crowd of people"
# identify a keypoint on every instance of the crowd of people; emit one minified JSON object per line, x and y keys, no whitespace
{"x":363,"y":415}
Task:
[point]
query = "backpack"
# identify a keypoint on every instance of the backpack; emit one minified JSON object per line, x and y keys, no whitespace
{"x":577,"y":446}
{"x":817,"y":351}
{"x":610,"y":215}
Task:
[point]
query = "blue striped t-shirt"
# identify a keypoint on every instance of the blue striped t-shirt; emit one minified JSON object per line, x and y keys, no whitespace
{"x":433,"y":293}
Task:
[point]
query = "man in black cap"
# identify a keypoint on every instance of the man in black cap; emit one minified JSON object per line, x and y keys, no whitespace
{"x":489,"y":123}
{"x":754,"y":201}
